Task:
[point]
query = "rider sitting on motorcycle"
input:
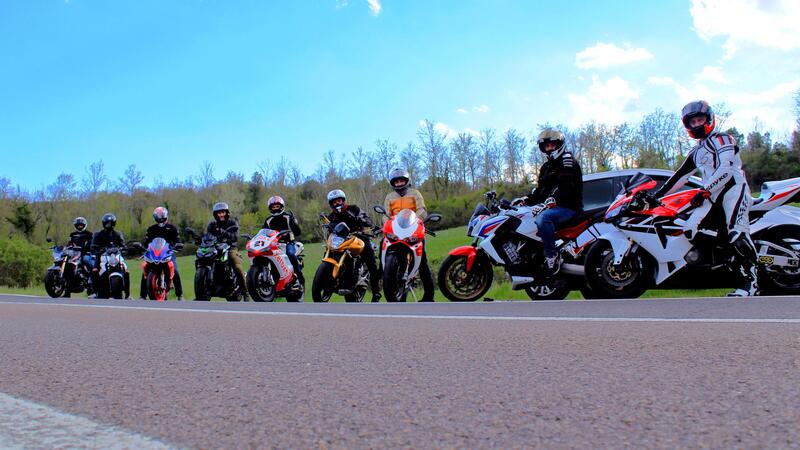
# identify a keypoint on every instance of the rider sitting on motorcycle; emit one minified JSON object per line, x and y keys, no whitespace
{"x":558,"y":196}
{"x":82,"y":238}
{"x":169,"y":232}
{"x":716,"y":156}
{"x":103,"y":239}
{"x":403,"y":197}
{"x":217,"y":227}
{"x":356,"y":220}
{"x":281,"y":220}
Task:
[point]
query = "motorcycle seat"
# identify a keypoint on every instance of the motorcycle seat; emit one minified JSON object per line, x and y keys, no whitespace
{"x":575,"y":226}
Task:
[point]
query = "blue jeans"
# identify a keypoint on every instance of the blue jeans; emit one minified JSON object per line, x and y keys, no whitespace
{"x":88,"y":262}
{"x":547,"y":221}
{"x":291,"y":252}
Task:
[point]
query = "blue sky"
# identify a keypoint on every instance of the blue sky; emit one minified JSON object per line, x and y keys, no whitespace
{"x":168,"y":85}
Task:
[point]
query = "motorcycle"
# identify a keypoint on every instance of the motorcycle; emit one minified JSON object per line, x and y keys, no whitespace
{"x":114,"y":279}
{"x":271,"y":273}
{"x":158,"y":268}
{"x":214,"y":276}
{"x":505,"y":234}
{"x":649,"y":247}
{"x":401,"y":251}
{"x":68,"y":274}
{"x":342,"y":271}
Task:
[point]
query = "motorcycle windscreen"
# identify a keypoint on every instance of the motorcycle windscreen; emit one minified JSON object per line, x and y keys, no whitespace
{"x":406,"y":219}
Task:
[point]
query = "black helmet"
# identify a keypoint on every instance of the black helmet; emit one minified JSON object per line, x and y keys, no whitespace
{"x":220,"y":206}
{"x":109,"y":221}
{"x":79,"y":223}
{"x":399,"y":174}
{"x":699,"y":108}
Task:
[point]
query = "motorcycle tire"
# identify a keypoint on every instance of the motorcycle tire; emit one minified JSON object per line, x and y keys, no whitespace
{"x":394,"y":288}
{"x":559,"y":291}
{"x":154,"y":290}
{"x":322,"y":278}
{"x":116,"y":287}
{"x":359,"y":292}
{"x":258,"y":289}
{"x":630,"y":280}
{"x":781,"y":281}
{"x":54,"y":285}
{"x":201,"y":291}
{"x":458,"y":285}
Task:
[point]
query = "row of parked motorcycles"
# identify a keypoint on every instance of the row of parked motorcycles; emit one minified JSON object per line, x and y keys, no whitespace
{"x":618,"y":252}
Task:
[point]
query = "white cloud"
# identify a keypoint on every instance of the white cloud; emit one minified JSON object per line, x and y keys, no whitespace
{"x":342,"y":4}
{"x":443,"y":128}
{"x":462,"y":110}
{"x":713,"y":74}
{"x":766,"y":23}
{"x":604,"y":55}
{"x":481,"y":109}
{"x":610,"y":102}
{"x":375,"y":7}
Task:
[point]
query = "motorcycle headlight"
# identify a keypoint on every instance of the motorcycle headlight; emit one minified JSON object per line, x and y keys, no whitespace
{"x":391,"y":236}
{"x":412,"y":240}
{"x":337,"y":241}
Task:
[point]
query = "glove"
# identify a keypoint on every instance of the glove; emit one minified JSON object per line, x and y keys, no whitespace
{"x":651,"y":199}
{"x":536,"y":209}
{"x":505,"y":204}
{"x":519,"y":201}
{"x":700,"y":197}
{"x":550,"y":202}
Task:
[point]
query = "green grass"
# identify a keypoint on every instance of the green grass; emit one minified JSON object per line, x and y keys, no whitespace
{"x":438,"y":248}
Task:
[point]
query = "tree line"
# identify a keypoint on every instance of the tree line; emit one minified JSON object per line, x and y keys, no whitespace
{"x":451,"y":169}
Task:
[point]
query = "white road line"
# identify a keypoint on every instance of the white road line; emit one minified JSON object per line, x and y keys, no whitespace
{"x":28,"y":425}
{"x":425,"y":316}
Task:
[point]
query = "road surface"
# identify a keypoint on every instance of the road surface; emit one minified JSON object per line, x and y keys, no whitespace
{"x":712,"y":373}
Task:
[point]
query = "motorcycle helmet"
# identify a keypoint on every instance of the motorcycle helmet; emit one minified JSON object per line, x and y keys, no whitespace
{"x":160,"y":215}
{"x":276,"y":204}
{"x":79,"y":223}
{"x":698,"y":108}
{"x":220,"y":206}
{"x":552,"y":135}
{"x":398,"y":180}
{"x":109,"y":221}
{"x":335,"y":195}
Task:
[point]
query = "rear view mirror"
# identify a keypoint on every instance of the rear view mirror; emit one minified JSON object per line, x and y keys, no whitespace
{"x":49,"y":240}
{"x":433,"y":218}
{"x":379,"y":209}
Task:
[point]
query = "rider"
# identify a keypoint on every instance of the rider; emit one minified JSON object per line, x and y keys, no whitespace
{"x":82,"y":238}
{"x":558,"y":196}
{"x":281,"y":220}
{"x":217,"y":227}
{"x":103,"y":239}
{"x":169,"y":232}
{"x":356,"y":221}
{"x":716,"y":156}
{"x":404,"y":197}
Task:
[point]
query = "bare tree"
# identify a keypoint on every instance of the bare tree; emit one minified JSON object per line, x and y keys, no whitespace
{"x":491,"y":158}
{"x":385,"y":158}
{"x":466,"y":155}
{"x":205,"y":179}
{"x":513,"y":154}
{"x":409,"y":159}
{"x":94,"y":179}
{"x":432,"y":149}
{"x":5,"y":188}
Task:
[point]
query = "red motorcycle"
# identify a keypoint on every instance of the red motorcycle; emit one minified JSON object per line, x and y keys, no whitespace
{"x":401,"y":251}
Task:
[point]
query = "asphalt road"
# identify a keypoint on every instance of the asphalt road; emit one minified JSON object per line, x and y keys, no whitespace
{"x":710,"y":373}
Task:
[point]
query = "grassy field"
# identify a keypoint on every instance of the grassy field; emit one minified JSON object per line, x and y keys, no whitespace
{"x":438,"y":247}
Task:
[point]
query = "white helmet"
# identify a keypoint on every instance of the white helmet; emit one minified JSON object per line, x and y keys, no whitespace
{"x":336,"y":194}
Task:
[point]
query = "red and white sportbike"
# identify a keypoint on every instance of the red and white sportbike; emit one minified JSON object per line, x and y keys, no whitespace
{"x":271,"y":273}
{"x":401,"y":251}
{"x":649,"y":246}
{"x":506,"y":235}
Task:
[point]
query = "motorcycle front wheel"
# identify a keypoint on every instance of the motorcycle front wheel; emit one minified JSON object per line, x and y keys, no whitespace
{"x":154,"y":289}
{"x":459,"y":285}
{"x":629,"y":279}
{"x":394,"y":286}
{"x":259,"y":285}
{"x":116,"y":287}
{"x":321,"y":292}
{"x":54,"y":284}
{"x":201,"y":291}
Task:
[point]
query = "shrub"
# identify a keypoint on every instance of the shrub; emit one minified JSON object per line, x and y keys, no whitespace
{"x":22,"y":264}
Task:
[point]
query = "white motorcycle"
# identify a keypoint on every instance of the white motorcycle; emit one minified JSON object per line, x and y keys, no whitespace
{"x":114,"y":279}
{"x":648,"y":246}
{"x":507,"y":235}
{"x":271,"y":273}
